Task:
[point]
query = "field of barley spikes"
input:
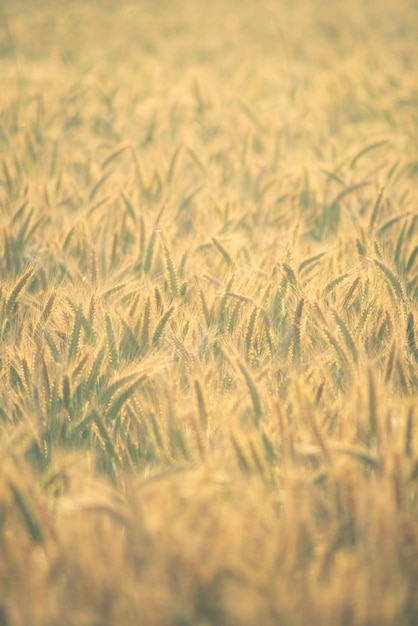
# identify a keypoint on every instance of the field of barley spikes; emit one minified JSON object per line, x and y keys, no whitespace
{"x":209,"y":313}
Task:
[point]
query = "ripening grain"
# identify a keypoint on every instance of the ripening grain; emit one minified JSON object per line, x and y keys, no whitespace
{"x":208,"y":313}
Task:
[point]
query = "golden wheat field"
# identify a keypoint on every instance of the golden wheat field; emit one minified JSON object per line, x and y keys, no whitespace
{"x":209,"y":313}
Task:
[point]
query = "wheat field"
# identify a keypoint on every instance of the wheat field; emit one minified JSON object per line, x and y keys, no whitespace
{"x":209,"y":313}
